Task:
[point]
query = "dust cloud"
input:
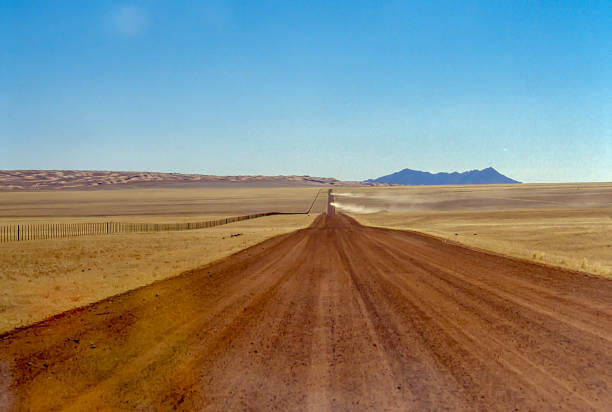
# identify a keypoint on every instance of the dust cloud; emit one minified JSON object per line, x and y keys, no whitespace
{"x":353,"y":208}
{"x":371,"y":203}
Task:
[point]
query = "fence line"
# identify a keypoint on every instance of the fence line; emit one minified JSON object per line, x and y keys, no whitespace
{"x":314,"y":201}
{"x":15,"y":233}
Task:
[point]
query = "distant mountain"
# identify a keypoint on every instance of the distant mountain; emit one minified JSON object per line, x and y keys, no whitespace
{"x":472,"y":177}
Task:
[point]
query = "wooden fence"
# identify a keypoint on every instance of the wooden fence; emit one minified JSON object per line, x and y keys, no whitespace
{"x":14,"y":233}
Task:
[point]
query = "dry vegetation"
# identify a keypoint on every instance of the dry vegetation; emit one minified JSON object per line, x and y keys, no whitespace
{"x":574,"y":239}
{"x":155,"y":205}
{"x":43,"y":277}
{"x":562,"y":225}
{"x":40,"y":278}
{"x":478,"y":197}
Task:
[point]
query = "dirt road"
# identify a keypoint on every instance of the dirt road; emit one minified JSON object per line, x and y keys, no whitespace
{"x":336,"y":316}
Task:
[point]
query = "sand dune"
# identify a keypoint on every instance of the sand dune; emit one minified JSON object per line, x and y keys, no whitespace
{"x":90,"y":179}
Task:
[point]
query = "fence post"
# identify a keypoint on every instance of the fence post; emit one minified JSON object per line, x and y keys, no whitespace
{"x":22,"y":232}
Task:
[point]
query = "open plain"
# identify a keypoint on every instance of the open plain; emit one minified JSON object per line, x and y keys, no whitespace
{"x":152,"y":205}
{"x":565,"y":225}
{"x":288,"y":206}
{"x":41,"y":278}
{"x":336,"y":316}
{"x":333,"y":316}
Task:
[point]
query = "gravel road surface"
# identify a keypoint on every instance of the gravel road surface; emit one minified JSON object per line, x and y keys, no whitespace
{"x":337,"y":316}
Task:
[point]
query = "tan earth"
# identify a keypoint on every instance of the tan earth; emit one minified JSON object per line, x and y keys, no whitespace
{"x":565,"y":225}
{"x":151,"y":205}
{"x":575,"y":239}
{"x":41,"y":278}
{"x":334,"y":317}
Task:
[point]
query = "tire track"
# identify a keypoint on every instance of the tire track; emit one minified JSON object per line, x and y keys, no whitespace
{"x":337,"y":316}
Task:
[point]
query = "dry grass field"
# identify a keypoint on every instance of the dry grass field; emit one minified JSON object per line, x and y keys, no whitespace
{"x":40,"y":278}
{"x":155,"y":205}
{"x":562,"y":225}
{"x":474,"y":197}
{"x":43,"y":277}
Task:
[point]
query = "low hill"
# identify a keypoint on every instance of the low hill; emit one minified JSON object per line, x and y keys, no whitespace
{"x":89,"y":179}
{"x":417,"y":177}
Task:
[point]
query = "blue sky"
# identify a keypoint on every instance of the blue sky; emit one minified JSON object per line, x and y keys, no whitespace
{"x":349,"y":89}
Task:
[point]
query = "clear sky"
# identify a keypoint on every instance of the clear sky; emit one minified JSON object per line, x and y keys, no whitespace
{"x":349,"y":89}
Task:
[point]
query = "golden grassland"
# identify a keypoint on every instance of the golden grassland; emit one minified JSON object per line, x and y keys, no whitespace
{"x":577,"y":239}
{"x":565,"y":225}
{"x":41,"y":278}
{"x":478,"y":197}
{"x":153,"y":205}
